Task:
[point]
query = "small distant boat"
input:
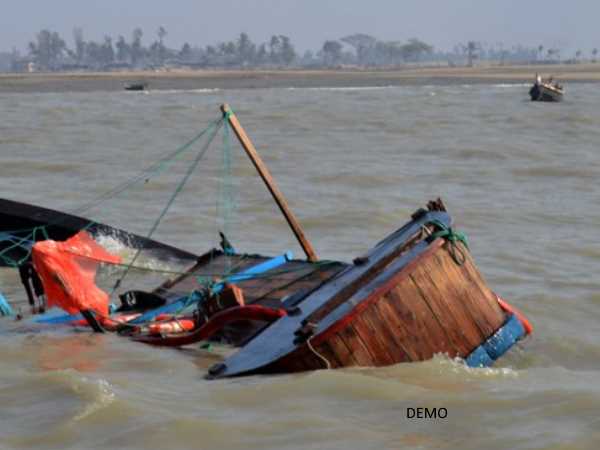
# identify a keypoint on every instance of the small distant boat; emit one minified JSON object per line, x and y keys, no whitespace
{"x":136,"y":86}
{"x":546,"y":91}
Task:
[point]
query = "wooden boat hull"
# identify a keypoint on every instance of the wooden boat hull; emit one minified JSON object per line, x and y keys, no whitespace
{"x":412,"y":296}
{"x":433,"y":306}
{"x":415,"y":294}
{"x":424,"y":299}
{"x":545,"y":93}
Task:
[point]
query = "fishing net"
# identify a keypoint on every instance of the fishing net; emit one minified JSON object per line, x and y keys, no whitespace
{"x":90,"y":269}
{"x":70,"y":270}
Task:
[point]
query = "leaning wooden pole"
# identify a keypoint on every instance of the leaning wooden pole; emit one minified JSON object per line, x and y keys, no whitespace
{"x":270,"y":182}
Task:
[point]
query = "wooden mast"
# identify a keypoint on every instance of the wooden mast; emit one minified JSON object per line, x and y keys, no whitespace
{"x":269,"y":182}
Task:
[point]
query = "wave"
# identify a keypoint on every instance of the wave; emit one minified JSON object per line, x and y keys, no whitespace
{"x":556,"y":172}
{"x":511,"y":85}
{"x":182,"y":91}
{"x":97,"y":394}
{"x":28,"y":167}
{"x":342,"y":88}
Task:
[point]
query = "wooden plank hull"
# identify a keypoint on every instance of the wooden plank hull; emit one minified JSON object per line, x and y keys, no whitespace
{"x":434,"y":306}
{"x":410,"y":298}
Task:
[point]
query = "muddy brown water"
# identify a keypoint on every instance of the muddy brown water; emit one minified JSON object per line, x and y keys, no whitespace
{"x":520,"y":178}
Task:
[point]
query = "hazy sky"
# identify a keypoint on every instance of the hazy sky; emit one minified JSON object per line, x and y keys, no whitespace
{"x":569,"y":24}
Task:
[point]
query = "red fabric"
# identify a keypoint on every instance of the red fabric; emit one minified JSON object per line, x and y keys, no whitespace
{"x":68,"y":271}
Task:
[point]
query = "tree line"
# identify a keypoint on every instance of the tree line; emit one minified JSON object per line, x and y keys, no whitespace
{"x":472,"y":51}
{"x":49,"y":51}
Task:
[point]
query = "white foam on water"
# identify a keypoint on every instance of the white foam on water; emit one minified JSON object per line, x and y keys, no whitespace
{"x":182,"y":91}
{"x":342,"y":88}
{"x":101,"y":395}
{"x":127,"y":253}
{"x":511,"y":85}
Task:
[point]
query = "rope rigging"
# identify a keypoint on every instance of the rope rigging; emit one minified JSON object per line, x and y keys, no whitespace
{"x":224,"y":207}
{"x":25,"y":238}
{"x":149,"y":172}
{"x":215,"y":128}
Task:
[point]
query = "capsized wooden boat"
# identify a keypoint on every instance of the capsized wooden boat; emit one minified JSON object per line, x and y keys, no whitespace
{"x":546,"y":91}
{"x":413,"y":295}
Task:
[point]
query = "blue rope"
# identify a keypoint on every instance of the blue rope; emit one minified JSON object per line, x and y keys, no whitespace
{"x":5,"y":309}
{"x":24,"y":243}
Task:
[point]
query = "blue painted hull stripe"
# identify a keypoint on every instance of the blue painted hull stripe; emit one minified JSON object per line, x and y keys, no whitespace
{"x":479,"y":358}
{"x":56,"y":316}
{"x":497,"y":344}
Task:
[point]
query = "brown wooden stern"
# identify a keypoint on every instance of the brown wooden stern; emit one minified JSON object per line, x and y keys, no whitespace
{"x":410,"y":297}
{"x":433,"y":305}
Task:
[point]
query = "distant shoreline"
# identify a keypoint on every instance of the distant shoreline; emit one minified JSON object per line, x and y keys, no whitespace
{"x":255,"y":79}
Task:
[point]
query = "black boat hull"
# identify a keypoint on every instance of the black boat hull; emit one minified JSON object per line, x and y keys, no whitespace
{"x":34,"y":223}
{"x":540,"y":93}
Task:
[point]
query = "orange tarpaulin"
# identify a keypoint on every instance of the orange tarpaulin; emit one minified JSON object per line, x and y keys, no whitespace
{"x":68,"y":271}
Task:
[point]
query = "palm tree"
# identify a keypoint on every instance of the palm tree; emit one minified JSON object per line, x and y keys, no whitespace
{"x":331,"y":52}
{"x":594,"y":54}
{"x":553,"y":53}
{"x":472,"y":50}
{"x":161,"y":33}
{"x":540,"y":51}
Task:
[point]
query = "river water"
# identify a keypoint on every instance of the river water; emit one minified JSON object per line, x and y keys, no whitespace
{"x":520,"y":178}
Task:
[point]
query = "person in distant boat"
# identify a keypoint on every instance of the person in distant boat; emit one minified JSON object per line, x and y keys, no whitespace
{"x":554,"y":83}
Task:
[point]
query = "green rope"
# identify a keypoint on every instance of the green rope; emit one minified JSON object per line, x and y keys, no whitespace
{"x":24,"y":243}
{"x":146,"y":174}
{"x":149,"y":172}
{"x":227,"y":114}
{"x":18,"y":244}
{"x":176,"y":192}
{"x":453,"y":237}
